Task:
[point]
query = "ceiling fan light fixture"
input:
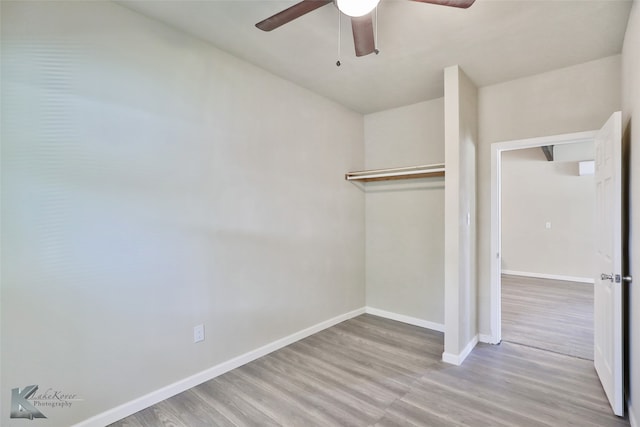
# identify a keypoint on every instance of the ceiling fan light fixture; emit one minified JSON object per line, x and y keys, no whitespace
{"x":356,"y":8}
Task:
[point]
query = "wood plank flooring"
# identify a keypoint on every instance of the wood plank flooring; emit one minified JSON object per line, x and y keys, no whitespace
{"x":370,"y":371}
{"x":553,"y":315}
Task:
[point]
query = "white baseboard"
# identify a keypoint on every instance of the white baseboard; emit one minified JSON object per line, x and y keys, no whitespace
{"x":488,"y":339}
{"x":633,"y":421}
{"x":405,"y":319}
{"x":549,"y":276}
{"x":457,"y":359}
{"x":154,"y":397}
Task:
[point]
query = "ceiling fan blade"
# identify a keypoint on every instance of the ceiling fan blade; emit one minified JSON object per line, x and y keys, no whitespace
{"x":289,"y":14}
{"x":454,"y":3}
{"x":363,"y":34}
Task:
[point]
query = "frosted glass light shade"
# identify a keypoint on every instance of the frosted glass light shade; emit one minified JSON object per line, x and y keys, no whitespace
{"x":355,"y":8}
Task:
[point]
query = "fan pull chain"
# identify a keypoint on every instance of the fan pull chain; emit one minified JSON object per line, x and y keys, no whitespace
{"x":375,"y":39}
{"x":339,"y":37}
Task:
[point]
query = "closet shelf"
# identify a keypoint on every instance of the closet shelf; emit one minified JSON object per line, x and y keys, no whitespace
{"x":411,"y":172}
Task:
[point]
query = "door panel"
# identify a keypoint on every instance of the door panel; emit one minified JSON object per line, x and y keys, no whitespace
{"x":608,"y":355}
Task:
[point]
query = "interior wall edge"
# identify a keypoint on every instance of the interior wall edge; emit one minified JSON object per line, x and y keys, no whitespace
{"x":632,"y":417}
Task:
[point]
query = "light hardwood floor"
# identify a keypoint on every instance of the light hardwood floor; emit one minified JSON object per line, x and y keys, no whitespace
{"x":553,"y":315}
{"x":370,"y":371}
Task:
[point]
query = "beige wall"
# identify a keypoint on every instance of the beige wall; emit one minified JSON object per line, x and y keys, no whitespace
{"x":536,"y":191}
{"x":405,"y":136}
{"x":631,"y":128}
{"x":405,"y":219}
{"x":151,"y":183}
{"x":573,"y":99}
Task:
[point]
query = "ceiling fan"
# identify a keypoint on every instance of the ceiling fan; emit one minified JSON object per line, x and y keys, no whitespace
{"x":360,"y":11}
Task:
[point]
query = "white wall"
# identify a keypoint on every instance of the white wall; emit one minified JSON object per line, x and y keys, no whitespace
{"x":151,"y":182}
{"x":536,"y":191}
{"x":461,"y":139}
{"x":405,"y":219}
{"x":405,"y":136}
{"x":631,"y":128}
{"x":573,"y":99}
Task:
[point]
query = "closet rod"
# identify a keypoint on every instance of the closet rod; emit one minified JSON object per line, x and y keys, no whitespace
{"x":411,"y":172}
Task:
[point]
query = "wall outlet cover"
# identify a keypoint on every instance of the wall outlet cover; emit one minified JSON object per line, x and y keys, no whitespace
{"x":198,"y":333}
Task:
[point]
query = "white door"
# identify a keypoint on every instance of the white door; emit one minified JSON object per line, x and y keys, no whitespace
{"x":608,"y":281}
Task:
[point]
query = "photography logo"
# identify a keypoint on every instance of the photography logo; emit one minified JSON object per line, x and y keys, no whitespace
{"x":21,"y":407}
{"x":26,"y":403}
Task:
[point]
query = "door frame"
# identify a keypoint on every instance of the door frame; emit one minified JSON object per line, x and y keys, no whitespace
{"x":496,"y":221}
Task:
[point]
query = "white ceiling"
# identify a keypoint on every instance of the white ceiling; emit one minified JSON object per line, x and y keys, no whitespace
{"x":493,"y":41}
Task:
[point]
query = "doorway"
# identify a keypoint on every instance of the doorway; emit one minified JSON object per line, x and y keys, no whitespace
{"x":497,"y":149}
{"x":608,"y":268}
{"x":548,"y":222}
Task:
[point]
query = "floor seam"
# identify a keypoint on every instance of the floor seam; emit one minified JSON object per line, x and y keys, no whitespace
{"x":401,"y":396}
{"x":546,"y":349}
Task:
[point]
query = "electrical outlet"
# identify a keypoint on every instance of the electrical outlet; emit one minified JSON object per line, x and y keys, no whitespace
{"x":198,"y":333}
